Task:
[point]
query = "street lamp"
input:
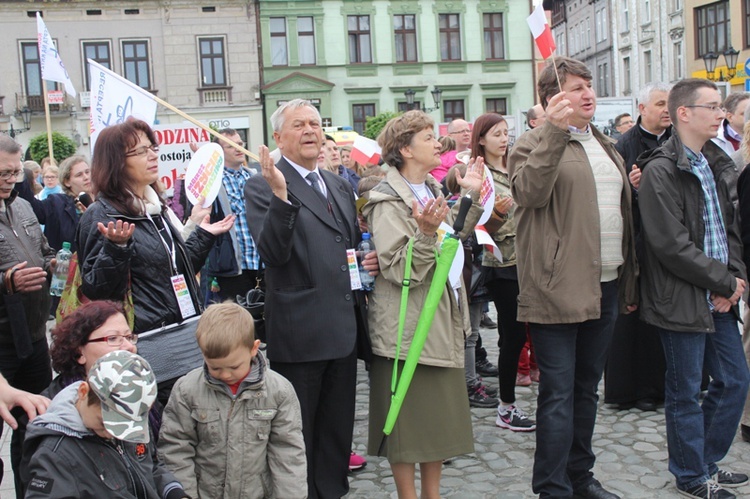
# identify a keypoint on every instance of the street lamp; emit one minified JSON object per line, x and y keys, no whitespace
{"x":730,"y":56}
{"x":709,"y":60}
{"x":436,"y":96}
{"x":26,"y":116}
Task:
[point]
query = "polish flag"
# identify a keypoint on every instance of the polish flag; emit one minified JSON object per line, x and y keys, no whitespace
{"x":365,"y":151}
{"x":541,"y":31}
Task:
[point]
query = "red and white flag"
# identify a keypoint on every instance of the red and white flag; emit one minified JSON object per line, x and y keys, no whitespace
{"x":541,"y":31}
{"x":365,"y":151}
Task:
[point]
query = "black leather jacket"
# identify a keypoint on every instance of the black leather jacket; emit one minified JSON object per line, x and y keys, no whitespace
{"x":107,"y":267}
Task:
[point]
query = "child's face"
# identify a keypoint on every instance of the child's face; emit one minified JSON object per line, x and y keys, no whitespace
{"x":234,"y":367}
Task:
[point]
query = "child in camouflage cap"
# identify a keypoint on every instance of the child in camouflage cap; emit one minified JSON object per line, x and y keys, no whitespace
{"x":93,"y":441}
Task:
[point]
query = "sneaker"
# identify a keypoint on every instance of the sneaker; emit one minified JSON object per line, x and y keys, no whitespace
{"x":534,"y":375}
{"x":486,"y":368}
{"x":515,"y":419}
{"x":479,"y":398}
{"x":486,"y":322}
{"x":523,"y":380}
{"x":730,"y":480}
{"x":707,"y":490}
{"x":356,"y":462}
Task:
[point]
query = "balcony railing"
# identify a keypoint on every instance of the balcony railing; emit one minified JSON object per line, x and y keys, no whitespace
{"x":215,"y":95}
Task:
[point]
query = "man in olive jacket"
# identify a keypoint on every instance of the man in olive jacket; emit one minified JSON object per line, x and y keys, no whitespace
{"x":693,"y":277}
{"x":576,"y":265}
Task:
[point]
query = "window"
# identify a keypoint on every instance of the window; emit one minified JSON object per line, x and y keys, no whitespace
{"x":677,"y":60}
{"x":135,"y":62}
{"x":494,"y":45}
{"x":212,"y":59}
{"x":646,"y":11}
{"x":712,"y":28}
{"x":625,"y":17}
{"x":359,"y":39}
{"x":453,"y":110}
{"x":499,"y":106}
{"x":450,"y":37}
{"x":626,"y":75}
{"x":32,"y":71}
{"x":279,"y":55}
{"x":647,"y":74}
{"x":98,"y":52}
{"x":601,"y":25}
{"x":405,"y":32}
{"x":360,"y":113}
{"x":306,"y":40}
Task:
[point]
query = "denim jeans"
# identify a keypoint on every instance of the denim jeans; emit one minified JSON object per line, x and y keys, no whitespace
{"x":699,"y":435}
{"x":571,"y":360}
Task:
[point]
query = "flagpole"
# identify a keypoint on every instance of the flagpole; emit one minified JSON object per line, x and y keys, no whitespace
{"x":205,"y":127}
{"x":49,"y":124}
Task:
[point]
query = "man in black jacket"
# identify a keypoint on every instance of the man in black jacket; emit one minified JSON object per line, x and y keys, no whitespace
{"x":634,"y":375}
{"x":691,"y":281}
{"x":25,"y":261}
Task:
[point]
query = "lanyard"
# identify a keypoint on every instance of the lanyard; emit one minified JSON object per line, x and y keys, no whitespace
{"x":168,"y":247}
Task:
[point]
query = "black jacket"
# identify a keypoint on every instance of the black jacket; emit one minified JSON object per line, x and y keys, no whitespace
{"x":106,"y":267}
{"x":57,"y":213}
{"x":676,"y":271}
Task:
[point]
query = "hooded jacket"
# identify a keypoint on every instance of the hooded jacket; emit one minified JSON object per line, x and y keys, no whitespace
{"x":247,"y":445}
{"x":677,"y":273}
{"x":21,"y":239}
{"x":106,"y":267}
{"x":64,"y":459}
{"x":389,"y":217}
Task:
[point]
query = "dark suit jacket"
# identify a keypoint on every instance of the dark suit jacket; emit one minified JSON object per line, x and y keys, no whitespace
{"x":310,"y":310}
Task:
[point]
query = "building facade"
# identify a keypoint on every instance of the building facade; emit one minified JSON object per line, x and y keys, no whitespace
{"x":200,"y":57}
{"x":355,"y":59}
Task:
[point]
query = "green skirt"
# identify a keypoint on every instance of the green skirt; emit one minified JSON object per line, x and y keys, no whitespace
{"x":434,"y":423}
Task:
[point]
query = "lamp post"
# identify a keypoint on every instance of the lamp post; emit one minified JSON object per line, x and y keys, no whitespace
{"x":730,"y":56}
{"x":709,"y":60}
{"x":436,"y":96}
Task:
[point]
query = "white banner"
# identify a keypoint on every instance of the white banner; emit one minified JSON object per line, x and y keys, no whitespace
{"x":114,"y":99}
{"x":49,"y":60}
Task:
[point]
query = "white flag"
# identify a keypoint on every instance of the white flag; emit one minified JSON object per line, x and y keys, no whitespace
{"x":50,"y":62}
{"x":114,"y":99}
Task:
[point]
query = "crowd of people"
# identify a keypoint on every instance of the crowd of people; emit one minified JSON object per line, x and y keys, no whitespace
{"x":625,"y":259}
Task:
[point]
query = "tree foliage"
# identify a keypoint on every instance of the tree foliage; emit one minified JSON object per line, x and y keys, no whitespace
{"x":375,"y":124}
{"x":62,"y":146}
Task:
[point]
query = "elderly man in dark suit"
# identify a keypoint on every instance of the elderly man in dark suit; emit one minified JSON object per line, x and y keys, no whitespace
{"x":304,"y":220}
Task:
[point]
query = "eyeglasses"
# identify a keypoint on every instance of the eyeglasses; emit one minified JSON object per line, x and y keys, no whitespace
{"x":460,"y":131}
{"x":143,"y":150}
{"x":116,"y":340}
{"x":711,"y":107}
{"x":13,"y":173}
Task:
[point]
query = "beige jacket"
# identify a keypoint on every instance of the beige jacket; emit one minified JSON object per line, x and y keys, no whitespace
{"x":389,"y":217}
{"x":221,"y":446}
{"x":558,"y":236}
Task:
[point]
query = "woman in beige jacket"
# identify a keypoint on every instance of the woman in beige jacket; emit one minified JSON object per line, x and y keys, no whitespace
{"x":407,"y":205}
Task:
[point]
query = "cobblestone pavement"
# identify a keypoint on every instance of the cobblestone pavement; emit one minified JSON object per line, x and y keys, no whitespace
{"x":631,"y":450}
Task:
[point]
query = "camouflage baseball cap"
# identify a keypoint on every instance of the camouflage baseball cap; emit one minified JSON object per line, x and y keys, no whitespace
{"x":126,"y":386}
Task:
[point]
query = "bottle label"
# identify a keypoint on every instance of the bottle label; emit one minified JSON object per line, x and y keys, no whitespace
{"x":351,"y":260}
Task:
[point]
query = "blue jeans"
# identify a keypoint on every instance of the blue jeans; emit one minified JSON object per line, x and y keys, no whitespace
{"x":698,"y":434}
{"x":571,"y":360}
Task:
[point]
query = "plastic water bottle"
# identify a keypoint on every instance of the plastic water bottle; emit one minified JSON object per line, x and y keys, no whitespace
{"x":365,"y":246}
{"x":60,"y":276}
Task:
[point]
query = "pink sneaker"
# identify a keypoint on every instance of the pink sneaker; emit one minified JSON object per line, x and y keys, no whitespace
{"x":534,"y":375}
{"x":356,"y":462}
{"x":523,"y":380}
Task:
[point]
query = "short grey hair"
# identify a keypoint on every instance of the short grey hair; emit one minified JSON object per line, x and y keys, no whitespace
{"x":8,"y":145}
{"x":644,"y":96}
{"x":277,"y":118}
